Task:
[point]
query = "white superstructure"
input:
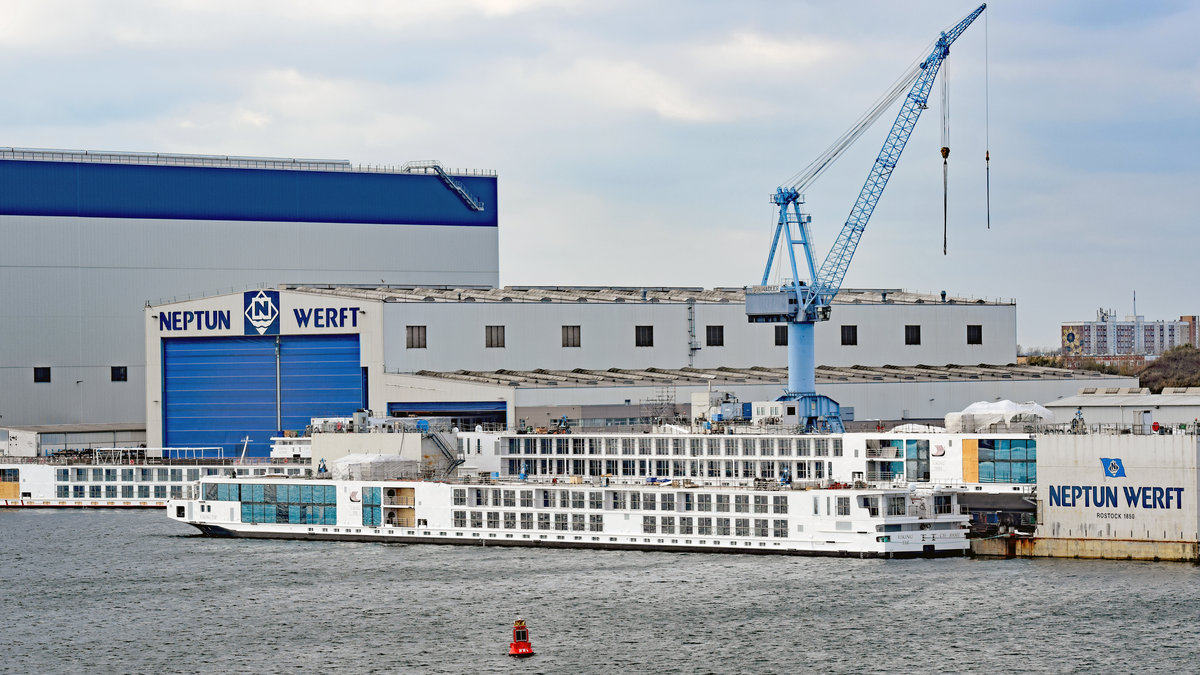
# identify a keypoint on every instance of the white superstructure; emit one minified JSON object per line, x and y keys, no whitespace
{"x":601,"y":514}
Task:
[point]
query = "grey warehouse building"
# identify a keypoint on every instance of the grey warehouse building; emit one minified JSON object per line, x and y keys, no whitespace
{"x":91,"y":238}
{"x":253,"y":364}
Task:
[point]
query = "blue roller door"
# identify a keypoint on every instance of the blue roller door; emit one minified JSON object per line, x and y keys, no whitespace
{"x":218,"y":391}
{"x":320,"y":376}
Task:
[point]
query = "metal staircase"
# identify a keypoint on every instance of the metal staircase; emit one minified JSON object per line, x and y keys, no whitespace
{"x":425,"y":166}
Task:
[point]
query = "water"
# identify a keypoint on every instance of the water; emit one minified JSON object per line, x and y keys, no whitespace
{"x":109,"y":592}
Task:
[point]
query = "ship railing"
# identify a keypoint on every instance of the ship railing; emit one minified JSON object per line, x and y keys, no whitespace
{"x":1082,"y":427}
{"x":89,"y":460}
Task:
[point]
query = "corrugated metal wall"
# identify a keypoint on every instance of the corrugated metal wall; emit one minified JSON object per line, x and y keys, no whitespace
{"x":219,"y":391}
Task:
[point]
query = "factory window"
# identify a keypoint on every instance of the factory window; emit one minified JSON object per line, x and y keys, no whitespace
{"x":912,"y":335}
{"x":494,"y":336}
{"x":570,"y":336}
{"x":414,"y":337}
{"x":781,"y":336}
{"x":714,"y":336}
{"x":41,"y":374}
{"x":974,"y":334}
{"x":644,"y":336}
{"x":120,"y":374}
{"x":849,"y":335}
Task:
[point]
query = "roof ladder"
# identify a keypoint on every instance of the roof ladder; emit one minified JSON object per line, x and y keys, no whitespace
{"x":425,"y":166}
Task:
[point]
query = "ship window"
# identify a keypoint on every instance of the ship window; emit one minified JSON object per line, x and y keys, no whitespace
{"x":742,"y":527}
{"x":741,"y":503}
{"x":723,"y":527}
{"x":761,"y":527}
{"x":643,"y":336}
{"x":780,"y":504}
{"x":780,"y":528}
{"x":843,"y":506}
{"x":648,"y":525}
{"x":414,"y":337}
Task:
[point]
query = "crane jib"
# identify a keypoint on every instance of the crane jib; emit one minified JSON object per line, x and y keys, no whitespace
{"x":801,"y":305}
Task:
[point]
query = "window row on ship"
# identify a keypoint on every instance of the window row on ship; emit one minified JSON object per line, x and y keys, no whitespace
{"x":143,"y":491}
{"x":578,"y":522}
{"x":148,"y":475}
{"x":727,"y":446}
{"x":670,"y":468}
{"x":621,"y":500}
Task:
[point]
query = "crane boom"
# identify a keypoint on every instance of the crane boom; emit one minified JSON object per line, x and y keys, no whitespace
{"x":800,"y":305}
{"x":829,"y":277}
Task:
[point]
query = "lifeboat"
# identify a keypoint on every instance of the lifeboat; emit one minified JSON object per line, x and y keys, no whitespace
{"x":520,"y":646}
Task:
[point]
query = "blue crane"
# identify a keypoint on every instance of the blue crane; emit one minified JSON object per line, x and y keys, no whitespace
{"x":801,"y":305}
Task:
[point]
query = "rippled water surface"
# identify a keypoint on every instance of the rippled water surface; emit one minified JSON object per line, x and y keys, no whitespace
{"x":109,"y":592}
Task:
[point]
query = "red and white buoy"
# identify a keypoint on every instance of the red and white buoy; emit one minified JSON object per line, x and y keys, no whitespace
{"x":520,"y":646}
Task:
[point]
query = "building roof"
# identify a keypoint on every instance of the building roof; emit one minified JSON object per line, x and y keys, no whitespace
{"x":659,"y":377}
{"x":576,"y":294}
{"x":218,"y":161}
{"x":97,"y":428}
{"x":1132,"y":397}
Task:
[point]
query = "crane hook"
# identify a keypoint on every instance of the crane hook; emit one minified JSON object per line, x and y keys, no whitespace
{"x":945,"y":196}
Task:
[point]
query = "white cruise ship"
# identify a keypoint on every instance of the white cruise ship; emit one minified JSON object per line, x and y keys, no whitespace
{"x":122,"y":477}
{"x":769,"y":517}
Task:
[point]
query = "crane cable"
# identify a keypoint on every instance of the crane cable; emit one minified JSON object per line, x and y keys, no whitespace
{"x":945,"y":154}
{"x":809,"y":174}
{"x":987,"y":129}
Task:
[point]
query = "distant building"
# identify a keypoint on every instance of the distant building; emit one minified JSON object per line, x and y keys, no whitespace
{"x":1128,"y":339}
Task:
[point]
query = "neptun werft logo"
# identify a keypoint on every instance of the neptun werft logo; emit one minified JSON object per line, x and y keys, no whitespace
{"x":1113,"y":468}
{"x":262,"y":312}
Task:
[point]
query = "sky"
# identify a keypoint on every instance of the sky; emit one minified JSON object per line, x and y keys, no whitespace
{"x":637,"y":142}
